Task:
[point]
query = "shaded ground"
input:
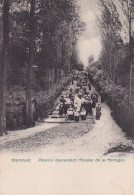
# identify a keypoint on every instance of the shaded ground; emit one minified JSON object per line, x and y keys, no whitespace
{"x":66,"y":132}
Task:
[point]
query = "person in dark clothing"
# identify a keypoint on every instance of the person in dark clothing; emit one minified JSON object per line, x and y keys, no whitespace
{"x":93,"y":97}
{"x":85,"y":91}
{"x":93,"y":108}
{"x":62,"y":109}
{"x":72,"y":80}
{"x":96,"y":94}
{"x":89,"y":85}
{"x":71,"y":95}
{"x":98,"y":112}
{"x":88,"y":105}
{"x":62,"y":100}
{"x":93,"y":103}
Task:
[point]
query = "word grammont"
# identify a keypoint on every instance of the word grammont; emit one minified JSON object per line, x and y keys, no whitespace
{"x":21,"y":160}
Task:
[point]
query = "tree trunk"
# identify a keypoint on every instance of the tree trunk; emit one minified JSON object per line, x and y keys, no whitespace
{"x":4,"y":65}
{"x":49,"y":79}
{"x":130,"y":51}
{"x":110,"y":65}
{"x":114,"y":61}
{"x":29,"y":114}
{"x":55,"y":74}
{"x":52,"y":76}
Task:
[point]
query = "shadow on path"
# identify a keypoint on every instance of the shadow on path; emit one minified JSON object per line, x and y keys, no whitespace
{"x":121,"y":148}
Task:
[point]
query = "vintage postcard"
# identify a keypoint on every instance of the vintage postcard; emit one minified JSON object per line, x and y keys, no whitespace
{"x":67,"y":97}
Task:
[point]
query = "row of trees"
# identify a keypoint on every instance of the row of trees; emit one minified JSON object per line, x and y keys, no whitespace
{"x":37,"y":34}
{"x":113,"y":72}
{"x":117,"y":39}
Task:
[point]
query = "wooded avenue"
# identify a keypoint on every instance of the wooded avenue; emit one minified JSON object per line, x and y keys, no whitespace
{"x":40,"y":54}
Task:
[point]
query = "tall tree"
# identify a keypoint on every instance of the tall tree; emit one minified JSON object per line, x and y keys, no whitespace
{"x":128,"y":8}
{"x":130,"y":49}
{"x":4,"y":66}
{"x":29,"y":114}
{"x":110,"y":28}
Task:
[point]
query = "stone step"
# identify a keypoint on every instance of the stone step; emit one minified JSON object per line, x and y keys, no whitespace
{"x":57,"y":116}
{"x":60,"y":119}
{"x":55,"y":112}
{"x":55,"y":120}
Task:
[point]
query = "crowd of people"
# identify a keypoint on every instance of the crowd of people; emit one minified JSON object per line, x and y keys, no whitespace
{"x":80,"y":101}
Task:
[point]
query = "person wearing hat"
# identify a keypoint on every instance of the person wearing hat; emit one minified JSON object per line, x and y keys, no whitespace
{"x":80,"y":95}
{"x":77,"y":105}
{"x":85,"y":91}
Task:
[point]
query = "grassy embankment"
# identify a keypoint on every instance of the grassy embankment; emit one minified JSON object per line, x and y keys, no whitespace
{"x":16,"y":101}
{"x":116,"y":97}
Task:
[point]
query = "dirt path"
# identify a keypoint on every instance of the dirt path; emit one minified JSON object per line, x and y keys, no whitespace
{"x":104,"y":137}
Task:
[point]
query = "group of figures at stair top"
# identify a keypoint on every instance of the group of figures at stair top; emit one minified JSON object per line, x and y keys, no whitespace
{"x":80,"y":101}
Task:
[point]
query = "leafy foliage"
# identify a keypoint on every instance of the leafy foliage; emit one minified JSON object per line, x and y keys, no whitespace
{"x":57,"y":27}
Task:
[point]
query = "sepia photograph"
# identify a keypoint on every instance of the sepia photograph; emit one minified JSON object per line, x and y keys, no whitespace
{"x":67,"y":97}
